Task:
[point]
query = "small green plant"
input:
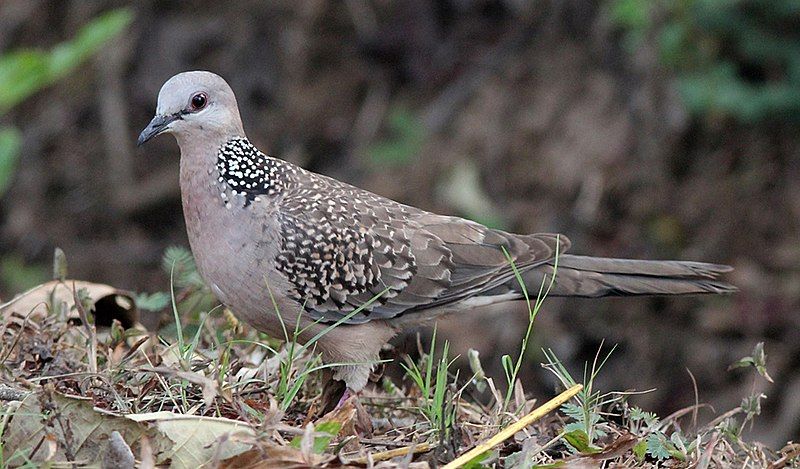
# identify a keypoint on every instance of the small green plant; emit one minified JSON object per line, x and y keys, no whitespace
{"x":317,"y":438}
{"x":659,"y":444}
{"x":188,"y":294}
{"x":152,"y":301}
{"x":751,"y":404}
{"x":758,"y":360}
{"x":511,"y":367}
{"x":290,"y":377}
{"x":438,"y":406}
{"x":587,"y":411}
{"x":654,"y":440}
{"x":179,"y":263}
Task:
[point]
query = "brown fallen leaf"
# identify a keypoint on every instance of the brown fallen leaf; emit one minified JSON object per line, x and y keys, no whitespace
{"x":342,"y":415}
{"x":624,"y":443}
{"x":51,"y":426}
{"x":191,"y":441}
{"x":345,"y":416}
{"x":76,"y":430}
{"x":118,"y":454}
{"x":108,"y":303}
{"x":273,"y":457}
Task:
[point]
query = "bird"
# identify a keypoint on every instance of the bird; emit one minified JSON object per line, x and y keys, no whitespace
{"x":278,"y":244}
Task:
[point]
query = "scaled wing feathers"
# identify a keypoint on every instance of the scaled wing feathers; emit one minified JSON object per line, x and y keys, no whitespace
{"x":341,"y":251}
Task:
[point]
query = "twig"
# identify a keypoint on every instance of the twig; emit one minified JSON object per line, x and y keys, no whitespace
{"x":696,"y":399}
{"x":392,"y":453}
{"x":379,"y":442}
{"x":673,"y":417}
{"x":787,"y":458}
{"x":724,"y":416}
{"x":510,"y":430}
{"x":89,"y":329}
{"x":708,"y":454}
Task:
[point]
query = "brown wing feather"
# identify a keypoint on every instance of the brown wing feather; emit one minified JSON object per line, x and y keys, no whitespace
{"x":341,"y":251}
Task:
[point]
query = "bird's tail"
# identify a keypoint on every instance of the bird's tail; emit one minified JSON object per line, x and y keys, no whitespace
{"x":592,"y":277}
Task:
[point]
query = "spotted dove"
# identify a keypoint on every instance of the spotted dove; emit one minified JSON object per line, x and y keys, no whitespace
{"x":270,"y":236}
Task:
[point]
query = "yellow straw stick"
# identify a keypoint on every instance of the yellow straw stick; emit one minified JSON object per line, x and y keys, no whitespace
{"x":510,"y":430}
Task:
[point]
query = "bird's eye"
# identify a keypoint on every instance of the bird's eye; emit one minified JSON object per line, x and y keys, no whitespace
{"x":199,"y":101}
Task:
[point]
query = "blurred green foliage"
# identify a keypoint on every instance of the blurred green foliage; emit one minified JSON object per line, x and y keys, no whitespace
{"x":732,"y":58}
{"x":26,"y":71}
{"x":18,"y":276}
{"x":406,"y":136}
{"x":10,"y":141}
{"x":23,"y":73}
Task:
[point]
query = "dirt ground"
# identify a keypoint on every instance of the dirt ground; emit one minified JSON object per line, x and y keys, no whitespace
{"x":529,"y":118}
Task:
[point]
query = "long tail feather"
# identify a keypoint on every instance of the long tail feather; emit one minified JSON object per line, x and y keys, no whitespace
{"x":584,"y":276}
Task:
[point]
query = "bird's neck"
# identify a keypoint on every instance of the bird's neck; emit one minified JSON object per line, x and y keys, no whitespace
{"x":243,"y":169}
{"x":234,"y":170}
{"x":199,"y":146}
{"x":198,"y":158}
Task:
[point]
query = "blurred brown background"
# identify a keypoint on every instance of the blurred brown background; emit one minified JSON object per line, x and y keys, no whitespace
{"x":639,"y":129}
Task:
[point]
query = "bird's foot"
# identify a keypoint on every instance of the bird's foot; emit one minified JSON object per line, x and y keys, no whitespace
{"x":331,"y":391}
{"x":363,"y":420}
{"x":347,"y":394}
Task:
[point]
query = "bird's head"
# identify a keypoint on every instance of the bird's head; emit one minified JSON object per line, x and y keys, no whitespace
{"x":193,"y":105}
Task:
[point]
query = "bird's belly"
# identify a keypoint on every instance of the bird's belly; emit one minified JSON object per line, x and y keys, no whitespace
{"x":235,"y":250}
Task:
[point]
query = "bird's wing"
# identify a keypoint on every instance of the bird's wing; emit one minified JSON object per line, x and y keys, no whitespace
{"x":342,"y":247}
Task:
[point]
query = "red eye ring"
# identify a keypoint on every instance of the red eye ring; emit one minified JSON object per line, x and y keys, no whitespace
{"x":198,"y":101}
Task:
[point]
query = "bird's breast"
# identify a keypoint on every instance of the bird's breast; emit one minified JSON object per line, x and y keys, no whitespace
{"x":235,"y":246}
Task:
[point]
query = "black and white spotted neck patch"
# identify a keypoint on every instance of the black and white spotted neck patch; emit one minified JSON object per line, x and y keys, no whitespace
{"x":245,"y":171}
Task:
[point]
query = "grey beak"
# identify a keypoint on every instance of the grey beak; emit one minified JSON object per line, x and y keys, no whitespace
{"x":155,"y":127}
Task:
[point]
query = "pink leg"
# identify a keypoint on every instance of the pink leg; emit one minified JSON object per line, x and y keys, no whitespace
{"x":363,"y":421}
{"x":347,"y":394}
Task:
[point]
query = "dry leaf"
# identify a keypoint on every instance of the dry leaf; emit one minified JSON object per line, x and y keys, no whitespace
{"x":621,"y":445}
{"x":108,"y":303}
{"x":78,"y":429}
{"x":118,"y":454}
{"x":195,"y":440}
{"x":81,"y":432}
{"x":273,"y":457}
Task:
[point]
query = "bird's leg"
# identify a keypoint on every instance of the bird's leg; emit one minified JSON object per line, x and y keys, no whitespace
{"x":332,"y":392}
{"x":363,"y":420}
{"x":347,"y":394}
